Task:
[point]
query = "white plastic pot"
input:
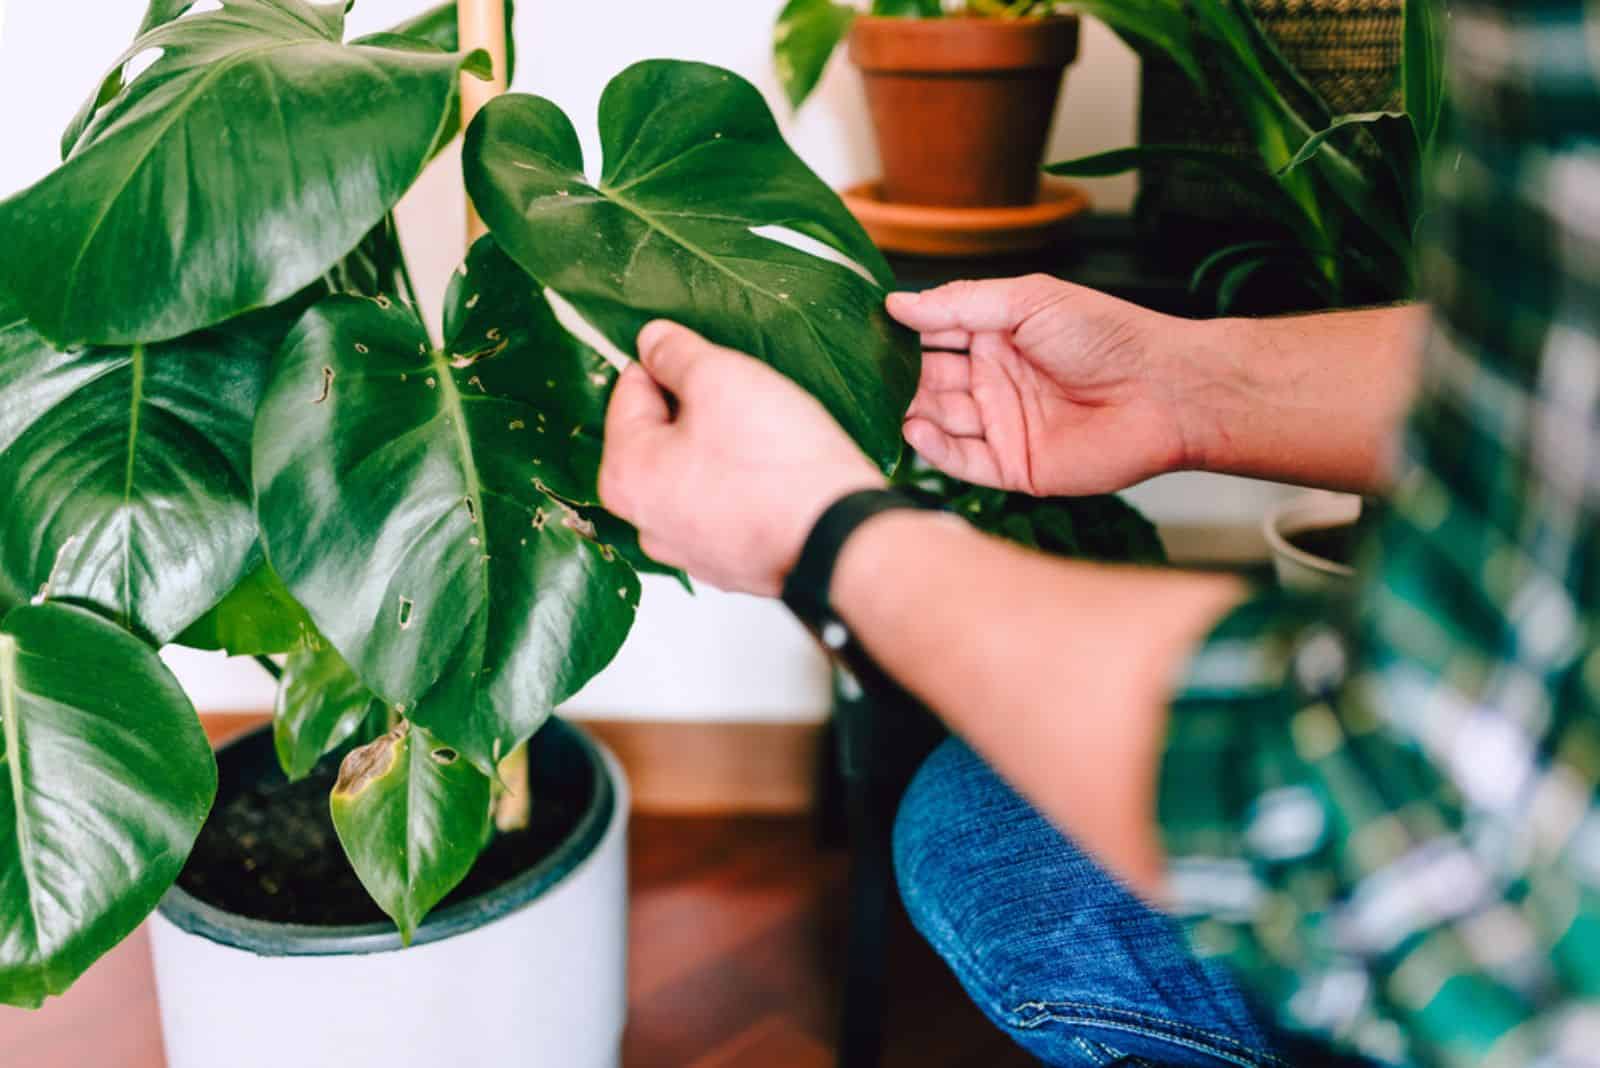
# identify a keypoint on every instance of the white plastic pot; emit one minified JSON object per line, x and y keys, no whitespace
{"x":1313,"y":510}
{"x":531,"y":974}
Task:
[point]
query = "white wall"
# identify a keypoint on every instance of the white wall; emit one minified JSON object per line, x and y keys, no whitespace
{"x":712,"y":655}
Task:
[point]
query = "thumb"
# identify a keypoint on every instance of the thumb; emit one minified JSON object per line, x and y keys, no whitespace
{"x":670,"y":352}
{"x":637,"y":404}
{"x":990,"y":305}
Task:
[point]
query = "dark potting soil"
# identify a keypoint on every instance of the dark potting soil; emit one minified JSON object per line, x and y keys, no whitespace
{"x":1331,"y":543}
{"x":271,"y":853}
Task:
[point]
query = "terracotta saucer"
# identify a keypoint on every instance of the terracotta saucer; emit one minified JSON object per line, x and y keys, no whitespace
{"x":925,"y":230}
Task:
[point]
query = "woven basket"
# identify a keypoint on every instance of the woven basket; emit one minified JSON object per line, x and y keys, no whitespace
{"x":1348,"y":49}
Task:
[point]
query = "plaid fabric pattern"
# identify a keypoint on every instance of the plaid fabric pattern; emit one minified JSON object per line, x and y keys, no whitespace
{"x":1384,"y":810}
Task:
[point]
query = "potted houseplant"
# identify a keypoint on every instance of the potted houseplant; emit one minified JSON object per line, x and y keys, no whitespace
{"x":961,"y":95}
{"x":1343,"y":194}
{"x":225,"y":425}
{"x":961,"y":101}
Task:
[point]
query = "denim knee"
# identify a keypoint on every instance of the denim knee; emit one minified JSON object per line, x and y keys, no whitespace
{"x":1052,"y":949}
{"x":938,"y":883}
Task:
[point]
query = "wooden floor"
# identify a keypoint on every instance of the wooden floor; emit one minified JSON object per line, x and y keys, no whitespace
{"x":737,"y":935}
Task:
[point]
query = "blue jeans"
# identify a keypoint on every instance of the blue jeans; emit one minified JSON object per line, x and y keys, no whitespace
{"x":1060,"y":956}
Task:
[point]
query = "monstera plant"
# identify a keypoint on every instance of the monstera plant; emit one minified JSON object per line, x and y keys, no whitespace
{"x":224,"y":424}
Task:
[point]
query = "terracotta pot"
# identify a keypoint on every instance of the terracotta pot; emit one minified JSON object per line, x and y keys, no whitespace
{"x":962,"y":106}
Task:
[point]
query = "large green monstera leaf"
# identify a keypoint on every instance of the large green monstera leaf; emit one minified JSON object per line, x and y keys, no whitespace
{"x":253,"y":153}
{"x":125,"y":471}
{"x":412,"y":816}
{"x":694,"y":168}
{"x":422,"y":505}
{"x":105,"y":779}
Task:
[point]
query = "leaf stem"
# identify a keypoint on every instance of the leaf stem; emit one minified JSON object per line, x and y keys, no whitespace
{"x":270,"y":666}
{"x":405,"y":268}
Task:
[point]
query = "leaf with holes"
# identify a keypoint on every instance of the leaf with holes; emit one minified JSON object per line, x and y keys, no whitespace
{"x":105,"y":779}
{"x":253,"y":153}
{"x":694,"y":168}
{"x":320,"y":704}
{"x":125,"y":471}
{"x":417,"y":503}
{"x":412,"y":816}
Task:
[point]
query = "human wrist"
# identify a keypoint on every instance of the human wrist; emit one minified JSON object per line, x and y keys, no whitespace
{"x":1208,"y":373}
{"x":873,"y":551}
{"x":815,"y":503}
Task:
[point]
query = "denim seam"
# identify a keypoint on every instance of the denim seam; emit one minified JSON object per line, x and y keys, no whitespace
{"x":1196,"y":1038}
{"x":1099,"y":1055}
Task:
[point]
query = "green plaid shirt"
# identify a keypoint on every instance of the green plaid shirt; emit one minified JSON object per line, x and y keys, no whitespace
{"x":1383,"y":811}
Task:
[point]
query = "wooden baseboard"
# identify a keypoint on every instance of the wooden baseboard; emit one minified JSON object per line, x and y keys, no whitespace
{"x":683,"y":768}
{"x":715,"y":768}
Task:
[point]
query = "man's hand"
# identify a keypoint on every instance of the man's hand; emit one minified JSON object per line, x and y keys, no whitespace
{"x":727,"y":476}
{"x":1037,"y":385}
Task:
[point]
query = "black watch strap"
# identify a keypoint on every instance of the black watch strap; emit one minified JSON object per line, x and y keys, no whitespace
{"x":806,"y":591}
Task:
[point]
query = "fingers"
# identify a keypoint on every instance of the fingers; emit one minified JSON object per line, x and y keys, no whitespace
{"x":636,"y":402}
{"x":994,"y":304}
{"x":670,"y":353}
{"x":948,"y":340}
{"x":969,"y":459}
{"x":954,"y":413}
{"x":942,"y":371}
{"x":637,"y":412}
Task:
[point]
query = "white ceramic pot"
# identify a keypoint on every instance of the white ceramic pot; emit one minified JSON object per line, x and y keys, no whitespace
{"x":1312,"y":510}
{"x":531,"y":974}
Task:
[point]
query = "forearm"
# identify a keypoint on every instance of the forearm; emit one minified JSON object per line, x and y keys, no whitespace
{"x":1057,"y":672}
{"x":1315,"y":400}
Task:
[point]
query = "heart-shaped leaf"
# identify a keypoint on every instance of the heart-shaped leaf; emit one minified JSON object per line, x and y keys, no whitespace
{"x":125,"y":471}
{"x":417,"y":503}
{"x":105,"y":779}
{"x":412,"y":815}
{"x":320,"y":704}
{"x":253,"y":153}
{"x":694,"y":167}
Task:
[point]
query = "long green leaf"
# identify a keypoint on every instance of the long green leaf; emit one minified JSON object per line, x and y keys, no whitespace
{"x":1251,"y":178}
{"x":694,"y":166}
{"x":1159,"y":24}
{"x":1315,"y":142}
{"x":1422,"y":66}
{"x":412,"y":816}
{"x":125,"y":471}
{"x":1235,"y":279}
{"x":234,"y":171}
{"x":920,"y":9}
{"x":420,"y":504}
{"x":805,"y":37}
{"x":105,"y":779}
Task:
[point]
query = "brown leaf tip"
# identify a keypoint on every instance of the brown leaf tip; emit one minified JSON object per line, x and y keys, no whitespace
{"x":370,"y":762}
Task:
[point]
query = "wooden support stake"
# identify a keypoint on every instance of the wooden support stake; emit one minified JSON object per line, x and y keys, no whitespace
{"x":482,"y":24}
